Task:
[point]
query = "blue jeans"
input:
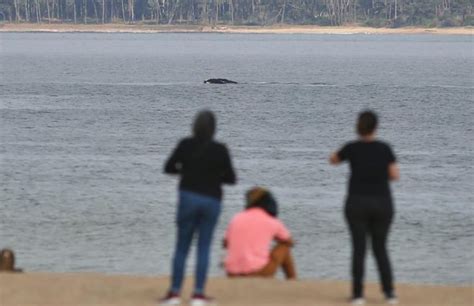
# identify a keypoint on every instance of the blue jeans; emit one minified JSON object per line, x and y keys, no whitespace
{"x":196,"y":214}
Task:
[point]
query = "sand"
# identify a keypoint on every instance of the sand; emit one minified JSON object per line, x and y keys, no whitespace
{"x":279,"y":29}
{"x":48,"y":289}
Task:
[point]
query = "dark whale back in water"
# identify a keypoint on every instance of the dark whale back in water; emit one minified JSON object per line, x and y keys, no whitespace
{"x":219,"y":81}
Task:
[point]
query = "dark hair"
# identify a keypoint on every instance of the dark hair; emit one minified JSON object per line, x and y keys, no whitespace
{"x":204,"y":125}
{"x":262,"y":198}
{"x":367,"y":123}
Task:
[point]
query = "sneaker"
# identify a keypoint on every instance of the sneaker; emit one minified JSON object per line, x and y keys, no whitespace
{"x":357,"y":301}
{"x":202,"y":300}
{"x":170,"y":299}
{"x":391,"y":299}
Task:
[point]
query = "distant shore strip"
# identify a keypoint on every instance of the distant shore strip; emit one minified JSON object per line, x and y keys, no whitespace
{"x":289,"y":29}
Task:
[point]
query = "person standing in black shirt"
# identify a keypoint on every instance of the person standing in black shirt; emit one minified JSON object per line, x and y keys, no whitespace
{"x":203,"y":165}
{"x":369,"y":206}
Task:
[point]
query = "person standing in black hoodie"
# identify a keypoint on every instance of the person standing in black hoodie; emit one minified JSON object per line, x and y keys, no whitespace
{"x":203,"y":166}
{"x":369,"y":206}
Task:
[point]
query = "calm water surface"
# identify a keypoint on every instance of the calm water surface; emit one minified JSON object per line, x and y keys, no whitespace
{"x":87,"y":121}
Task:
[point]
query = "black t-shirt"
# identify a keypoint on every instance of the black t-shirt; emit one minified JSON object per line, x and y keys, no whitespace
{"x":203,"y":167}
{"x":369,"y":163}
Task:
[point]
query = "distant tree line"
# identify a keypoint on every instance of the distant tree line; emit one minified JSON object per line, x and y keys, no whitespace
{"x":378,"y":13}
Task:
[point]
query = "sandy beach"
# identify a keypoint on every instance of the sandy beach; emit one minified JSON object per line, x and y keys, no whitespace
{"x":98,"y":289}
{"x":283,"y":29}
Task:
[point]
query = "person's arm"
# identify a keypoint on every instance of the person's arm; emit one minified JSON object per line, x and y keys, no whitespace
{"x":174,"y":163}
{"x":289,"y":242}
{"x":393,"y":172}
{"x":339,"y":156}
{"x":228,"y":174}
{"x":393,"y":169}
{"x":283,"y":235}
{"x":334,"y":159}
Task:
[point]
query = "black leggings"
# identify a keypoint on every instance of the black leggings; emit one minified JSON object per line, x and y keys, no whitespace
{"x":369,"y":215}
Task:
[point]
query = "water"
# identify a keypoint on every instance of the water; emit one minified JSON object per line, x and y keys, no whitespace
{"x":87,"y":121}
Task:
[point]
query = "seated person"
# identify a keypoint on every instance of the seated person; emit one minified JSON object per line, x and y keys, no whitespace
{"x":249,"y":237}
{"x":7,"y":261}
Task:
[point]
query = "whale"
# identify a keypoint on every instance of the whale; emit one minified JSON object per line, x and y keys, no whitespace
{"x":219,"y":81}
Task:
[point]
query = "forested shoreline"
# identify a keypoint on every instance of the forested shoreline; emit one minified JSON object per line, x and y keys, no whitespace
{"x":374,"y":13}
